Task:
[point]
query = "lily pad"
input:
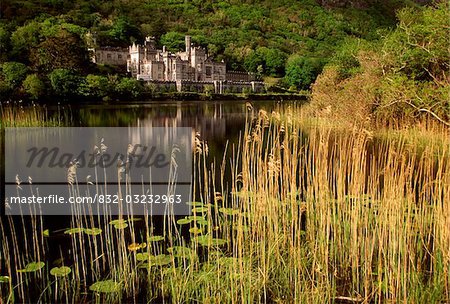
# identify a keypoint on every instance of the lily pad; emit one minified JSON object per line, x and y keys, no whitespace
{"x":200,"y":210}
{"x":202,"y":222}
{"x":160,"y":260}
{"x":60,"y":271}
{"x":121,"y":225}
{"x":142,"y":256}
{"x":4,"y":279}
{"x":108,"y":286}
{"x":194,"y":217}
{"x":155,"y":238}
{"x":180,"y":251}
{"x":184,"y":221}
{"x":74,"y":230}
{"x":195,"y":230}
{"x":32,"y":267}
{"x":205,"y":240}
{"x":118,"y":222}
{"x":93,"y":231}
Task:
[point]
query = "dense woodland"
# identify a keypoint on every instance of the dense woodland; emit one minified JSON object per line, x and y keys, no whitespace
{"x":287,"y":43}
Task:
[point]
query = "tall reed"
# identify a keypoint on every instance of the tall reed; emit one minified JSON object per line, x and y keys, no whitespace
{"x":310,"y":214}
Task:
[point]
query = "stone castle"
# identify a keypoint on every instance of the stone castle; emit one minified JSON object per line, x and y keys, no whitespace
{"x":148,"y":63}
{"x":187,"y":69}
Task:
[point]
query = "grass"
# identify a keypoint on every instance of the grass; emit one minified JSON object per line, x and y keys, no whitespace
{"x":312,"y":215}
{"x":15,"y":115}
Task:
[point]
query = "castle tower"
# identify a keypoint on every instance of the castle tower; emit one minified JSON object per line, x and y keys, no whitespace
{"x":187,"y":41}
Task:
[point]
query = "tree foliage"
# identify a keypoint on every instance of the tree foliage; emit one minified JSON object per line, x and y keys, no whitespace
{"x":14,"y":73}
{"x":246,"y":34}
{"x":34,"y":86}
{"x":129,"y":88}
{"x":405,"y":76}
{"x":302,"y":71}
{"x":63,"y":50}
{"x":64,"y":82}
{"x":96,"y":86}
{"x":419,"y":47}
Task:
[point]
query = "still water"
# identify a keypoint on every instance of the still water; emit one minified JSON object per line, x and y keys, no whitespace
{"x":219,"y":124}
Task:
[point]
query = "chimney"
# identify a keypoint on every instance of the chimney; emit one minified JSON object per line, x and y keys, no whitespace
{"x":164,"y":48}
{"x":188,"y":45}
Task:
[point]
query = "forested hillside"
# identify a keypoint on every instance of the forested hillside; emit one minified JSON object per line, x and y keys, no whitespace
{"x":258,"y":36}
{"x":381,"y":44}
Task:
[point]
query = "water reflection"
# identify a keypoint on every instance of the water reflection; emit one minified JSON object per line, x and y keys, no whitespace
{"x":216,"y":122}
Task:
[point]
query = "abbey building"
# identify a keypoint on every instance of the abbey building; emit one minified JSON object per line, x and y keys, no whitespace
{"x":146,"y":62}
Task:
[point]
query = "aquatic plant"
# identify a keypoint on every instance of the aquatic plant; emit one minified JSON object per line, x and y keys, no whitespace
{"x":312,"y":214}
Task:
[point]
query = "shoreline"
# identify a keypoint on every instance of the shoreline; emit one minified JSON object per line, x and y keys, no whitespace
{"x":166,"y":97}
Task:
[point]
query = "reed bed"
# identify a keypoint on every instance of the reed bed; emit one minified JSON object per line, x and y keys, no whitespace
{"x":16,"y":115}
{"x":311,"y":215}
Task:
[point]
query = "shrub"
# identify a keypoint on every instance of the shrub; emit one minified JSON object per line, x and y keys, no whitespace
{"x":129,"y":87}
{"x":97,"y":86}
{"x":14,"y":73}
{"x":208,"y":89}
{"x":301,"y":71}
{"x":346,"y":58}
{"x":34,"y":86}
{"x":64,"y":82}
{"x":352,"y":100}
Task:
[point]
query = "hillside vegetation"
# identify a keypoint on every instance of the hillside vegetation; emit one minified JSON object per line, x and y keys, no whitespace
{"x":399,"y":79}
{"x":44,"y":45}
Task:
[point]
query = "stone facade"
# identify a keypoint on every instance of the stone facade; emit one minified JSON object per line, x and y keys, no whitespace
{"x":217,"y":86}
{"x":110,"y":55}
{"x":148,"y":63}
{"x":239,"y":76}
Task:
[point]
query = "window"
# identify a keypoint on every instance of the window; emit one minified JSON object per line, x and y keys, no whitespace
{"x":108,"y":56}
{"x":119,"y":56}
{"x":208,"y":71}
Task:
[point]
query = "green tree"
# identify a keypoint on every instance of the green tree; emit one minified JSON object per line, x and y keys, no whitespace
{"x":96,"y":86}
{"x":34,"y":86}
{"x":155,"y":27}
{"x":301,"y":71}
{"x":173,"y":40}
{"x":24,"y":39}
{"x":274,"y":60}
{"x":5,"y":36}
{"x":253,"y":61}
{"x":64,"y":82}
{"x":419,"y":46}
{"x":346,"y":57}
{"x":129,"y":87}
{"x":64,"y":50}
{"x":123,"y":32}
{"x":14,"y":73}
{"x":5,"y":90}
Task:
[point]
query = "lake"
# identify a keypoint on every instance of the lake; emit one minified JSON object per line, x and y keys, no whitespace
{"x":299,"y":210}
